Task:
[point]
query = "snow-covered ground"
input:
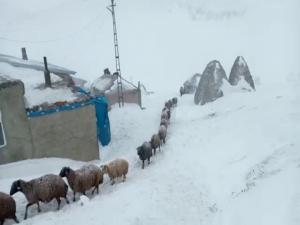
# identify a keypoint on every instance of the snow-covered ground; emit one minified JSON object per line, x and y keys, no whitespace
{"x":235,"y":161}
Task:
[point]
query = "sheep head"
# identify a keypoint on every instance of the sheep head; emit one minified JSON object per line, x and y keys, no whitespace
{"x":15,"y":187}
{"x":139,"y":150}
{"x":65,"y":171}
{"x":104,"y":169}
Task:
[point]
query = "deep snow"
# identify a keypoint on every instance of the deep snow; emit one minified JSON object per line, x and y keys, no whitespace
{"x":233,"y":161}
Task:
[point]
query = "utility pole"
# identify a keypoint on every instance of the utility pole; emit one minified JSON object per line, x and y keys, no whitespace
{"x":111,"y":8}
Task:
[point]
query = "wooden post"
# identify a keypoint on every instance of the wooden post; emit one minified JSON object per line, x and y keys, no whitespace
{"x":24,"y":54}
{"x":140,"y":95}
{"x":47,"y":74}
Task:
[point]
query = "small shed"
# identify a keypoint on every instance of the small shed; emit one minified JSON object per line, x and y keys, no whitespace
{"x":106,"y":85}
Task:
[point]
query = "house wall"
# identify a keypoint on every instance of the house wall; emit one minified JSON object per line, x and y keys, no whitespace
{"x":68,"y":134}
{"x":15,"y":123}
{"x":130,"y":96}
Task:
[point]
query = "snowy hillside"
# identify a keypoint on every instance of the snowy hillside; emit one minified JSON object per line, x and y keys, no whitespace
{"x":235,"y":161}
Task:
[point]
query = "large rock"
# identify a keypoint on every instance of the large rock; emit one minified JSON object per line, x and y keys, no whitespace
{"x":240,"y":71}
{"x":190,"y":85}
{"x":209,"y":88}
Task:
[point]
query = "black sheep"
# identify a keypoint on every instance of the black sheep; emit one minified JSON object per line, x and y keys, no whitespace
{"x":144,"y":152}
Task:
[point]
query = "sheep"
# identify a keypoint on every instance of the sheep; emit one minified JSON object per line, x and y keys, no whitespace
{"x":144,"y":152}
{"x":168,"y":104}
{"x":166,"y":110}
{"x":83,"y":179}
{"x":7,"y":208}
{"x":42,"y":189}
{"x":162,"y":133}
{"x":164,"y":115}
{"x":164,"y":122}
{"x":174,"y":101}
{"x":155,"y":142}
{"x":181,"y":91}
{"x":116,"y":168}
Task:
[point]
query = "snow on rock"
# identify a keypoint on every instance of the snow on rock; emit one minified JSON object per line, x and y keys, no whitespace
{"x":240,"y":71}
{"x":190,"y":85}
{"x":209,"y":88}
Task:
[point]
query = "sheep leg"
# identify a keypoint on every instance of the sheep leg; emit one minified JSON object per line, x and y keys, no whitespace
{"x":148,"y":160}
{"x":154,"y":151}
{"x":67,"y":200}
{"x":96,"y":188}
{"x":124,"y":177}
{"x":143,"y":165}
{"x":58,"y":203}
{"x":27,"y":206}
{"x":39,"y":209}
{"x":74,"y":196}
{"x":164,"y":140}
{"x":112,"y":181}
{"x":15,"y":219}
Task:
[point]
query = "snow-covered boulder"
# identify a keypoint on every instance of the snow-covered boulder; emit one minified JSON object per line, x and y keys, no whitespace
{"x":209,"y":88}
{"x":240,"y":72}
{"x":190,"y":85}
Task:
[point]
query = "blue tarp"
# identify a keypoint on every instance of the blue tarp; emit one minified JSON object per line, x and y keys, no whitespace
{"x":101,"y":107}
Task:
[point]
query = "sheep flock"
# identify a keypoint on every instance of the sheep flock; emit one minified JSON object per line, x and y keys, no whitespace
{"x":89,"y":177}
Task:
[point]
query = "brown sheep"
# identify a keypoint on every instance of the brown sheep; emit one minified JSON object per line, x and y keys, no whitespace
{"x":168,"y":104}
{"x":7,"y":208}
{"x":116,"y":168}
{"x":42,"y":189}
{"x":164,"y":122}
{"x":164,"y":115}
{"x":83,"y":179}
{"x":162,"y":133}
{"x":155,"y":142}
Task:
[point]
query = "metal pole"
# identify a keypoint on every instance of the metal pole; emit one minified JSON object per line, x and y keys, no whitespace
{"x":111,"y":8}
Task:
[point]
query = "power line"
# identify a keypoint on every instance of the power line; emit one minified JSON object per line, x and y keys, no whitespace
{"x":68,"y":36}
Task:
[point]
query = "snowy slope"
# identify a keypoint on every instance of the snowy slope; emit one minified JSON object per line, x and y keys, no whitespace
{"x":234,"y":161}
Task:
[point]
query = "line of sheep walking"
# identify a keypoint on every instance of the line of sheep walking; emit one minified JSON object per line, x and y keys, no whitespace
{"x":148,"y":148}
{"x":51,"y":186}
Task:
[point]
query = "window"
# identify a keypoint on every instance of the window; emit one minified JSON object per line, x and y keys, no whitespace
{"x":2,"y":134}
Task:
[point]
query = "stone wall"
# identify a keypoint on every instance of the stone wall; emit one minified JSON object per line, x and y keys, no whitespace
{"x":68,"y":134}
{"x":15,"y":123}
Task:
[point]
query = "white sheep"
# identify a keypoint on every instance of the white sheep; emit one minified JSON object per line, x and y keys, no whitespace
{"x":116,"y":168}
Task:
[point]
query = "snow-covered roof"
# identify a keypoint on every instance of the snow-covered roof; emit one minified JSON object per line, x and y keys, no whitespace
{"x":33,"y":80}
{"x":6,"y":81}
{"x":33,"y":64}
